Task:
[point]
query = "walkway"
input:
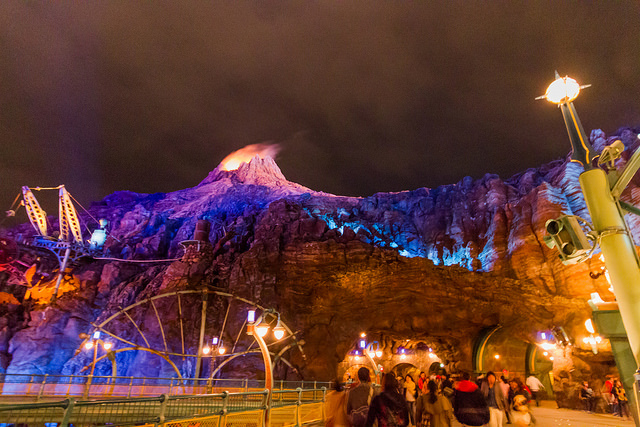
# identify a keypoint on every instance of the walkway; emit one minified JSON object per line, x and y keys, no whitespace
{"x":547,"y":415}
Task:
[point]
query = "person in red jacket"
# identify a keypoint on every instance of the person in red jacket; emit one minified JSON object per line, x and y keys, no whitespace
{"x":469,"y":405}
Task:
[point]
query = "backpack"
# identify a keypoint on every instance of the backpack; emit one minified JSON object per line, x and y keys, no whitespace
{"x":471,"y":408}
{"x":359,"y":416}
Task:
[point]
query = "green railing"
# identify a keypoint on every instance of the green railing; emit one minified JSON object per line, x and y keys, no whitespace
{"x":37,"y":387}
{"x":290,"y":407}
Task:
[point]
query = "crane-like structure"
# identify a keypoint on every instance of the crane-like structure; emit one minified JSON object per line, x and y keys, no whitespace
{"x":66,"y":243}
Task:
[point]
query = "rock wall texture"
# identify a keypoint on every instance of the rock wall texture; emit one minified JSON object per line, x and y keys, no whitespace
{"x":433,"y":266}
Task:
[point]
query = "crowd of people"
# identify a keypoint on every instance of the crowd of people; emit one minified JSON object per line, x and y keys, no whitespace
{"x":430,"y":401}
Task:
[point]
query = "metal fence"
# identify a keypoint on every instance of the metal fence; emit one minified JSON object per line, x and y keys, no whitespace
{"x":245,"y":409}
{"x":39,"y":387}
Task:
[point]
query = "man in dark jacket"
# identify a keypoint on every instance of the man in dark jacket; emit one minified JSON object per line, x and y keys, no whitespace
{"x":469,"y":405}
{"x":388,"y":408}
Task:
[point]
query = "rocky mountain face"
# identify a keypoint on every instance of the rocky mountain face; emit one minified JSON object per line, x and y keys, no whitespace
{"x":432,"y":266}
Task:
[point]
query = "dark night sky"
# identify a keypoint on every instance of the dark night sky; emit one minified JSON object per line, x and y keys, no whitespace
{"x":362,"y":96}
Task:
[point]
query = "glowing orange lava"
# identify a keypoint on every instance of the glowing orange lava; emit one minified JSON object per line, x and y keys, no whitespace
{"x":244,"y":155}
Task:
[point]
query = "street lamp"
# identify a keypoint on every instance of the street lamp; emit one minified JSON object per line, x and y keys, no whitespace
{"x":93,"y":344}
{"x":601,"y":193}
{"x":258,"y":328}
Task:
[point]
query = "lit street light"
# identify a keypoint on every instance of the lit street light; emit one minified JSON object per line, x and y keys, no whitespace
{"x":601,"y":190}
{"x":258,"y":328}
{"x":94,"y":343}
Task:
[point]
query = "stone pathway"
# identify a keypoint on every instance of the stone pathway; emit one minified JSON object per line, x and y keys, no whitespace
{"x":547,"y":415}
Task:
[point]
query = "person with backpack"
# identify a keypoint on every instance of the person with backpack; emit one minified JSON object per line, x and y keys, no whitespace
{"x":360,"y":398}
{"x":433,"y":409}
{"x":469,"y":405}
{"x":388,"y":408}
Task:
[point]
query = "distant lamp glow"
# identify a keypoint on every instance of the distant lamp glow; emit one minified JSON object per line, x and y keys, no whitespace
{"x":551,"y":358}
{"x":563,"y":89}
{"x":586,"y":340}
{"x":430,"y":349}
{"x":379,"y":353}
{"x":107,"y":345}
{"x":206,"y":349}
{"x":589,"y":325}
{"x":88,"y":345}
{"x":356,"y":358}
{"x":497,"y":356}
{"x":442,"y":365}
{"x":403,"y":356}
{"x":262,"y":329}
{"x":431,"y":355}
{"x":547,"y":346}
{"x":363,"y":335}
{"x":598,"y":339}
{"x":251,"y":316}
{"x":546,"y":353}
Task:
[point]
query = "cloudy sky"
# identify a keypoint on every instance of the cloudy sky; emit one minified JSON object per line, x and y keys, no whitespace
{"x":362,"y":96}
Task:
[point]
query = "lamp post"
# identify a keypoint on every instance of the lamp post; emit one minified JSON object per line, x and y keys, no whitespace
{"x":609,"y":226}
{"x":601,"y":192}
{"x":258,"y":328}
{"x":93,"y":344}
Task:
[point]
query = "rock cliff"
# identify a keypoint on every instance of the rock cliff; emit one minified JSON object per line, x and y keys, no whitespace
{"x":431,"y":266}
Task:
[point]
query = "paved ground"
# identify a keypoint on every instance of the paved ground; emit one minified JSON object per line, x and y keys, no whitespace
{"x":548,"y":416}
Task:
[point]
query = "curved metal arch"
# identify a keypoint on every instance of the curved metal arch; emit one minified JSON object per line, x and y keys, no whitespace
{"x":480,"y":346}
{"x":244,"y":353}
{"x":114,"y":366}
{"x":166,"y":353}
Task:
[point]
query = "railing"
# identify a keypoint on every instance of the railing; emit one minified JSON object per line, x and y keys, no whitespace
{"x":289,"y":408}
{"x":41,"y":387}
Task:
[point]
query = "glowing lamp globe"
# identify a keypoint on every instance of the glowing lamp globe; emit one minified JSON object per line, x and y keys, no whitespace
{"x":107,"y":346}
{"x":206,"y":349}
{"x":563,"y":89}
{"x":372,"y":354}
{"x":222,"y":350}
{"x":379,"y":353}
{"x":278,"y":332}
{"x":88,"y":345}
{"x":589,"y":325}
{"x":262,"y":329}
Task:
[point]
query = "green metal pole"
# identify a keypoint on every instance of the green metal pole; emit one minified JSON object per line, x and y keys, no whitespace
{"x":618,"y":250}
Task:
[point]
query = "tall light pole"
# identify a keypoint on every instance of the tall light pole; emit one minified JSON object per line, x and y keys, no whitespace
{"x":601,"y":194}
{"x":94,"y":343}
{"x":258,"y":328}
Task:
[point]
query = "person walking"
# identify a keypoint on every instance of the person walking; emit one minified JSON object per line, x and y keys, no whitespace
{"x":434,"y":408}
{"x":422,"y":382}
{"x":469,"y":405}
{"x":621,"y":399}
{"x":360,"y":398}
{"x":495,"y":398}
{"x":607,"y":394}
{"x":535,"y":386}
{"x":335,"y":406}
{"x":410,"y":395}
{"x":388,"y":408}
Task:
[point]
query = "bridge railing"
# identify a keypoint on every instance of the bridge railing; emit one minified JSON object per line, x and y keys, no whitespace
{"x":216,"y":410}
{"x":37,"y":387}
